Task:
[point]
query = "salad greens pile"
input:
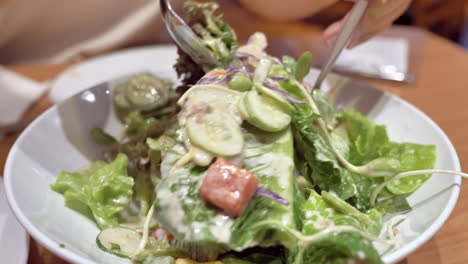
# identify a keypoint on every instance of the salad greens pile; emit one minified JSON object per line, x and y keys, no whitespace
{"x":217,"y":35}
{"x":101,"y":190}
{"x":249,"y":165}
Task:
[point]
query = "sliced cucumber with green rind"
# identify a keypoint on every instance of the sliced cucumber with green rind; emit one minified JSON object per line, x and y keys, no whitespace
{"x":241,"y":108}
{"x":120,"y":100}
{"x":212,"y":94}
{"x":120,"y":241}
{"x":138,"y":225}
{"x":278,"y":99}
{"x":146,"y":92}
{"x":264,"y":113}
{"x":216,"y":132}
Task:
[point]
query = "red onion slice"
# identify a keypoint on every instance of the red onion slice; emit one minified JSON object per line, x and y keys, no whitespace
{"x":279,"y":78}
{"x":290,"y":98}
{"x":277,"y":61}
{"x":271,"y":195}
{"x":208,"y":80}
{"x":309,"y":86}
{"x":219,"y":78}
{"x":241,"y":54}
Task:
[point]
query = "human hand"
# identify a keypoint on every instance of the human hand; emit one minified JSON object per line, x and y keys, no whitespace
{"x":380,"y":15}
{"x":285,"y":11}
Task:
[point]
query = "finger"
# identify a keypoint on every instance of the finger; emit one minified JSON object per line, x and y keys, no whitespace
{"x":365,"y":37}
{"x":330,"y":34}
{"x":277,"y":10}
{"x":377,"y":19}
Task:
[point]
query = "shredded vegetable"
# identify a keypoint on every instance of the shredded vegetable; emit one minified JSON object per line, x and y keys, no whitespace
{"x":271,"y":195}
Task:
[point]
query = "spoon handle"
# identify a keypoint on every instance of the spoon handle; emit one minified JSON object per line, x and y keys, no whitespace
{"x":343,"y":38}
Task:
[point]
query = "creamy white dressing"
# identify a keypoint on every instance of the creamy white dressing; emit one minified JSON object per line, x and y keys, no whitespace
{"x":310,"y":214}
{"x":256,"y":46}
{"x":172,"y":211}
{"x":171,"y":159}
{"x":236,"y":160}
{"x":127,"y":239}
{"x":314,"y":214}
{"x":222,"y":228}
{"x":198,"y":230}
{"x":323,"y":223}
{"x":282,"y":164}
{"x":203,"y":99}
{"x":200,"y":157}
{"x":199,"y":101}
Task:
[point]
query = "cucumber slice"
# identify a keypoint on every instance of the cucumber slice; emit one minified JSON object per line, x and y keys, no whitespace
{"x":146,"y":92}
{"x":277,"y":98}
{"x":217,"y":133}
{"x":136,"y":222}
{"x":120,"y":100}
{"x":264,"y":113}
{"x":211,"y":94}
{"x":120,"y":241}
{"x":242,"y":110}
{"x":121,"y":105}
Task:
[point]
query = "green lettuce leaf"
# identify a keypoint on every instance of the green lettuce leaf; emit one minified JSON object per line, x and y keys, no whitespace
{"x":101,"y":189}
{"x":324,"y":169}
{"x":181,"y":209}
{"x":144,"y":191}
{"x":317,"y":212}
{"x":370,"y":141}
{"x":325,"y":106}
{"x":137,"y":124}
{"x":314,"y":157}
{"x":102,"y":138}
{"x":341,"y":247}
{"x":393,"y":204}
{"x":270,"y":157}
{"x":162,"y":144}
{"x":159,"y":252}
{"x":216,"y":35}
{"x":412,"y":157}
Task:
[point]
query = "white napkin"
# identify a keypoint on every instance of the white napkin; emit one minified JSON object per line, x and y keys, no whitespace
{"x":17,"y":93}
{"x":378,"y":55}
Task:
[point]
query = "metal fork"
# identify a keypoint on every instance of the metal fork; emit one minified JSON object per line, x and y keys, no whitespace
{"x":184,"y":36}
{"x":343,"y":38}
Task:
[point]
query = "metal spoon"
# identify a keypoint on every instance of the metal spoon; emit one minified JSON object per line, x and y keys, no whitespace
{"x":343,"y":39}
{"x":184,"y":36}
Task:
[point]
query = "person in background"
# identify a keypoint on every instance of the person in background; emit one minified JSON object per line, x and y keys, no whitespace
{"x":57,"y":31}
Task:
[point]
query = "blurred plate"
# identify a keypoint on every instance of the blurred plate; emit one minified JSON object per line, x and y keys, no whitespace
{"x":106,"y":67}
{"x":14,"y":241}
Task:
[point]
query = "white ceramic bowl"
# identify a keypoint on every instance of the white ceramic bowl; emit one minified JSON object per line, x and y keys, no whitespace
{"x":59,"y":140}
{"x":14,"y":241}
{"x":109,"y":66}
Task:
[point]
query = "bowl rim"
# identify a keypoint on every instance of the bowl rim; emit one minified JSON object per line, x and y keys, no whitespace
{"x":395,"y":256}
{"x":64,"y":78}
{"x":29,"y":226}
{"x":402,"y":252}
{"x":23,"y":253}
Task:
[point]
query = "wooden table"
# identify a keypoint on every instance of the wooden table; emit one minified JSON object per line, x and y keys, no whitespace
{"x":440,"y":90}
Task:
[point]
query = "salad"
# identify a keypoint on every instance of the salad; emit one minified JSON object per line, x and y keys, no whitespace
{"x":243,"y":163}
